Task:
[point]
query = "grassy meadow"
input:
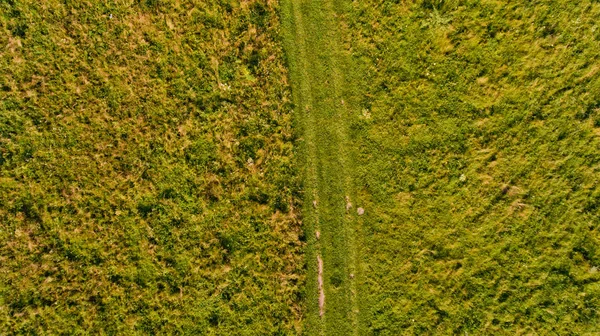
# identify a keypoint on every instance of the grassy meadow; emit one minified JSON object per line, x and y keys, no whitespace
{"x":159,"y":160}
{"x":479,"y":141}
{"x":147,"y":177}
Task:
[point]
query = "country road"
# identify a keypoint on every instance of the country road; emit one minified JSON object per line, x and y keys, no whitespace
{"x":323,"y":100}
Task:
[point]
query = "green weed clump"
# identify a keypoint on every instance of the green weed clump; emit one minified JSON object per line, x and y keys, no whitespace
{"x":147,"y":183}
{"x":479,"y":165}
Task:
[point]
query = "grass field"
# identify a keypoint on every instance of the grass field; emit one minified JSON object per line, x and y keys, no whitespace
{"x":147,"y":176}
{"x":479,"y":166}
{"x":476,"y":126}
{"x":180,"y":167}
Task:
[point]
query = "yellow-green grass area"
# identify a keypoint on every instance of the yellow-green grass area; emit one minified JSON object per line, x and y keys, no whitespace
{"x":479,"y":166}
{"x":147,"y":177}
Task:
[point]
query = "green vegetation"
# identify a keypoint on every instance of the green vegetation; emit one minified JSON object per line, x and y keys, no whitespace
{"x":318,"y":67}
{"x":152,"y":167}
{"x":147,"y":179}
{"x":479,"y":166}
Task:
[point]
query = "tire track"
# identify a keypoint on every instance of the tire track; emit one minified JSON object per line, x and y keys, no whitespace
{"x":323,"y":116}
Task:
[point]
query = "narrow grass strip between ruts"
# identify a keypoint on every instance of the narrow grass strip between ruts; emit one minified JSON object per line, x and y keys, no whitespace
{"x":323,"y":98}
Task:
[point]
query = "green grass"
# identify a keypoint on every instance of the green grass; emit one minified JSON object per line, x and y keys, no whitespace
{"x":324,"y":112}
{"x":147,"y":176}
{"x":158,"y":165}
{"x":478,"y":166}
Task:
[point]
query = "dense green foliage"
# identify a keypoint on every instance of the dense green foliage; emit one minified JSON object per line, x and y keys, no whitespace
{"x":147,"y":182}
{"x":480,"y":165}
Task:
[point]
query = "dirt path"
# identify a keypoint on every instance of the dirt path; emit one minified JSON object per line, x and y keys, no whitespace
{"x":324,"y":113}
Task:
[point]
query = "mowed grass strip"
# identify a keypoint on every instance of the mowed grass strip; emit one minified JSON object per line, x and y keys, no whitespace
{"x":324,"y":113}
{"x":147,"y":177}
{"x":479,"y":165}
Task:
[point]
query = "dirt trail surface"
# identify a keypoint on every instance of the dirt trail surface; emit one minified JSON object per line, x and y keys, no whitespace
{"x":324,"y":102}
{"x":321,"y":291}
